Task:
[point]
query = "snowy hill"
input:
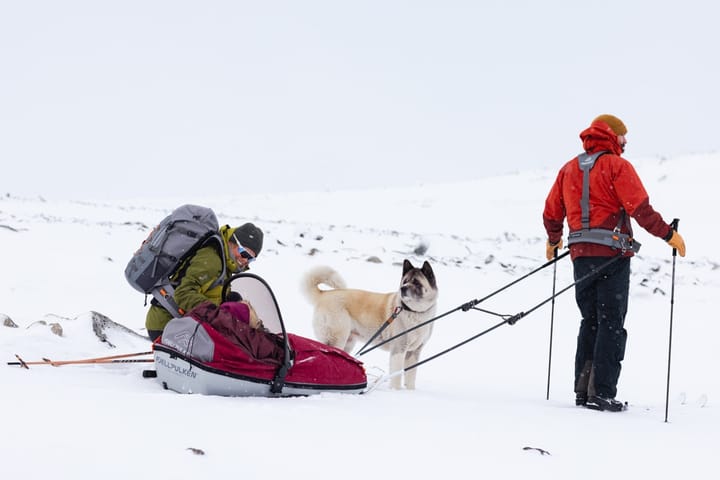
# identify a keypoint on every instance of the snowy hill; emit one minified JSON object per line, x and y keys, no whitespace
{"x":475,"y":408}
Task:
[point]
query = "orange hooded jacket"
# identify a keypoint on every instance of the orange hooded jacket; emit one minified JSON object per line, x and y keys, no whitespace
{"x":614,"y":185}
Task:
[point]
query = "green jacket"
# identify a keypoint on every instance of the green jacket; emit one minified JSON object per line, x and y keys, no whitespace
{"x":203,"y":269}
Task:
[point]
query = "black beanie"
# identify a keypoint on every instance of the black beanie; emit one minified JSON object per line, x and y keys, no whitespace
{"x":249,"y":236}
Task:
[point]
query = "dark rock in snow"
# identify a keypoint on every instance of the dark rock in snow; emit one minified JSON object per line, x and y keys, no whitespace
{"x":57,"y":329}
{"x":102,"y":324}
{"x":7,"y":321}
{"x":421,"y":249}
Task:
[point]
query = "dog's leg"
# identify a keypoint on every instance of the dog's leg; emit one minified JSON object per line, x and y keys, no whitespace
{"x":331,"y":333}
{"x":411,"y":358}
{"x":350,"y":342}
{"x":396,"y":364}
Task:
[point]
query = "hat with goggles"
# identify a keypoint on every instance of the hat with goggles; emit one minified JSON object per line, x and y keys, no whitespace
{"x":248,"y":236}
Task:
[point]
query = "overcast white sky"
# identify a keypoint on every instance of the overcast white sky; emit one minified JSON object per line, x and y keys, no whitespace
{"x":150,"y":98}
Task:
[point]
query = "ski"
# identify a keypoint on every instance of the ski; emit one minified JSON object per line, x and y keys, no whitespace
{"x":21,"y":362}
{"x":122,"y":358}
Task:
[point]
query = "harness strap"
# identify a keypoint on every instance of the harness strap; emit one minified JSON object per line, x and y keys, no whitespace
{"x":586,"y":163}
{"x":610,"y":238}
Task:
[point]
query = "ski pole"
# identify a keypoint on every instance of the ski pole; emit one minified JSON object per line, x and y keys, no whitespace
{"x":552,"y":321}
{"x":464,"y":307}
{"x":674,"y":226}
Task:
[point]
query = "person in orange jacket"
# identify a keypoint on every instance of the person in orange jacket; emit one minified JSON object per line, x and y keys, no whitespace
{"x":598,"y":192}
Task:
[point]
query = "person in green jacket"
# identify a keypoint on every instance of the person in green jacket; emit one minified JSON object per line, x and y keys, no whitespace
{"x":196,"y":280}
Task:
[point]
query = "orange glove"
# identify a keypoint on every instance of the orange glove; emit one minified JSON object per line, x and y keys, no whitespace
{"x":677,"y":242}
{"x":551,"y":247}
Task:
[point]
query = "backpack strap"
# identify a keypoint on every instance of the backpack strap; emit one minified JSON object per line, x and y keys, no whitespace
{"x":164,"y":294}
{"x":221,"y":249}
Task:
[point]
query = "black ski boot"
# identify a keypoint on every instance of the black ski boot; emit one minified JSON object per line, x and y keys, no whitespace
{"x":581,"y":399}
{"x":598,"y":402}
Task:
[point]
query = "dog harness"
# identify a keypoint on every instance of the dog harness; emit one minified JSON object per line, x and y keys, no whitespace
{"x":610,"y":238}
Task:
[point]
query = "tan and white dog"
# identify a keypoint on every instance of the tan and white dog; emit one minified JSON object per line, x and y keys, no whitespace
{"x":342,"y":316}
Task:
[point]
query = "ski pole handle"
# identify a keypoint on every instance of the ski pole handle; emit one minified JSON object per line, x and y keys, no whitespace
{"x":674,"y":225}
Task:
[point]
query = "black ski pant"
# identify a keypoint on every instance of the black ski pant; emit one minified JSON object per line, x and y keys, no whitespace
{"x":603,"y":303}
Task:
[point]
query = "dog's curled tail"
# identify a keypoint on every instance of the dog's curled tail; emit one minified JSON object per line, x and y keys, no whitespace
{"x":320,"y":276}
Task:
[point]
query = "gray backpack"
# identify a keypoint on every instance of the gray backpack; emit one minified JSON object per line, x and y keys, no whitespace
{"x":177,"y":237}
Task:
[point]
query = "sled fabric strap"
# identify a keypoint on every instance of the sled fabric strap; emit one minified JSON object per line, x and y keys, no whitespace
{"x":279,"y":381}
{"x":601,"y":236}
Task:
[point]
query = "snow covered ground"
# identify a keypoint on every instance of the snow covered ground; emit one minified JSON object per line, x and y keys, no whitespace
{"x":478,"y":412}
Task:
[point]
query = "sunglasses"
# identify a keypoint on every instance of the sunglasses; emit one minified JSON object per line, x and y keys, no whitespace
{"x":240,"y":251}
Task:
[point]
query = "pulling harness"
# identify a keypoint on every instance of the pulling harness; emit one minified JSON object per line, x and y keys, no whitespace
{"x":610,"y":238}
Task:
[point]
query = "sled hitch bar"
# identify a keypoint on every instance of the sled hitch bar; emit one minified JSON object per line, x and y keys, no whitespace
{"x":471,"y":305}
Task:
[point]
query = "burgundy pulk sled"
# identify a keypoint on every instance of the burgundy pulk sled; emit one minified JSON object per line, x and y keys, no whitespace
{"x":194,"y":357}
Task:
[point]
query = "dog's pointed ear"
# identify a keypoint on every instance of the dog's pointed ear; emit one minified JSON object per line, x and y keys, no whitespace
{"x":407,"y":266}
{"x":429,"y":274}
